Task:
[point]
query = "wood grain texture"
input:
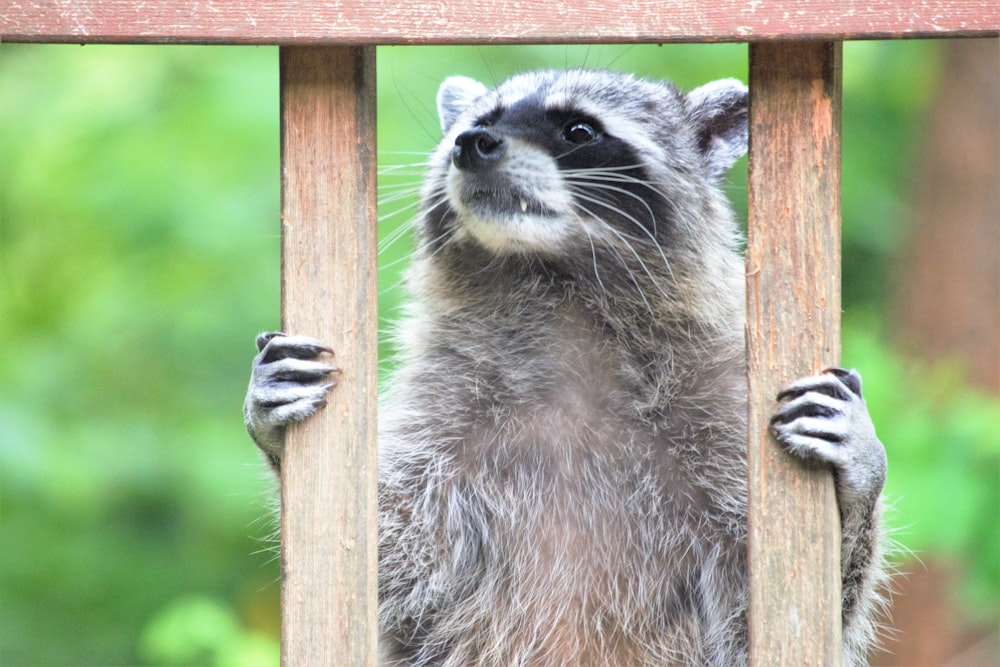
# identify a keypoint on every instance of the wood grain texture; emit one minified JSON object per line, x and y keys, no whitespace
{"x":329,"y":291}
{"x":793,"y":330}
{"x":502,"y":21}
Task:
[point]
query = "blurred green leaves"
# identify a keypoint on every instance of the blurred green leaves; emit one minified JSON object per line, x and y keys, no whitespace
{"x":138,"y":257}
{"x":201,"y":632}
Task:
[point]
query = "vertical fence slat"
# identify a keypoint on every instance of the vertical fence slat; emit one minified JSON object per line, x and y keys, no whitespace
{"x":329,"y":292}
{"x":793,"y":329}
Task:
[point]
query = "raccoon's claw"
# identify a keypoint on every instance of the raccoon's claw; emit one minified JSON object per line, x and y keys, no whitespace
{"x":289,"y":383}
{"x":280,"y":346}
{"x":850,"y":378}
{"x":824,"y":418}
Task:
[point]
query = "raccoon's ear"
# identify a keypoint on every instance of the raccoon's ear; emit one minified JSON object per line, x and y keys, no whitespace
{"x":719,"y":111}
{"x":454,"y":96}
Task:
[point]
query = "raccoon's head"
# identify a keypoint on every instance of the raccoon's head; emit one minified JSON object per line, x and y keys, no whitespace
{"x":555,"y":160}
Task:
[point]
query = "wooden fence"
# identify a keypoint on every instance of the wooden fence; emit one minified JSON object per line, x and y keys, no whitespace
{"x":329,"y":250}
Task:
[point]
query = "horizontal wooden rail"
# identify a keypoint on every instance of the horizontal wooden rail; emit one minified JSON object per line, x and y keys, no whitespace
{"x":502,"y":21}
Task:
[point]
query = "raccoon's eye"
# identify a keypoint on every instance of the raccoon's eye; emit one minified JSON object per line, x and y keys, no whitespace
{"x":579,"y":132}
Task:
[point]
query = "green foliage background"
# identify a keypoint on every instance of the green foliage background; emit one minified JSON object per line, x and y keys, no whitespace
{"x":139,"y":257}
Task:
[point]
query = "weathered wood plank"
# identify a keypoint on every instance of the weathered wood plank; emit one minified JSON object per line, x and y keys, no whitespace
{"x":329,"y":291}
{"x":793,"y":330}
{"x":502,"y":21}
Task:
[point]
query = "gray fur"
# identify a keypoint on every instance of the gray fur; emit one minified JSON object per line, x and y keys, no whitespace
{"x":562,"y":450}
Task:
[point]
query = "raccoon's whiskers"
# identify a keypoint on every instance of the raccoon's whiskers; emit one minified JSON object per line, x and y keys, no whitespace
{"x":623,"y":237}
{"x":593,"y":256}
{"x":628,"y":269}
{"x":620,"y":175}
{"x":439,"y":197}
{"x":597,"y":184}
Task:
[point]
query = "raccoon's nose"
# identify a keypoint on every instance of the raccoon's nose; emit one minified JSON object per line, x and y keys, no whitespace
{"x":477,"y":149}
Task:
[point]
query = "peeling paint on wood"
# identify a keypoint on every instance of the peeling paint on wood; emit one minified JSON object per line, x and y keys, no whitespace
{"x":502,"y":21}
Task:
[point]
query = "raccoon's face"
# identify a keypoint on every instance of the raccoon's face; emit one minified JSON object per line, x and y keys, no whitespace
{"x":551,"y":160}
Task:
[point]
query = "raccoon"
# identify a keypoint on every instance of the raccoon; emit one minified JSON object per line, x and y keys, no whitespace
{"x":562,"y":449}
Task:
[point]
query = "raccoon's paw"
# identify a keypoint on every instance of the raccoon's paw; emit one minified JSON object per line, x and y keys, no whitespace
{"x":289,"y":382}
{"x":824,"y":418}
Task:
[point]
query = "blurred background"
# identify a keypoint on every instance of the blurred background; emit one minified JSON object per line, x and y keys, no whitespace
{"x":139,"y":240}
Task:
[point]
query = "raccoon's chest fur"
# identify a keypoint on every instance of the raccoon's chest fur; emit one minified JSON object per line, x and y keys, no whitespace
{"x":570,"y":527}
{"x":583,"y":554}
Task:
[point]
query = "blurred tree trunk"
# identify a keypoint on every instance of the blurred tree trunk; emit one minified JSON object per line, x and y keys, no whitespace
{"x":947,"y":306}
{"x":948,"y":296}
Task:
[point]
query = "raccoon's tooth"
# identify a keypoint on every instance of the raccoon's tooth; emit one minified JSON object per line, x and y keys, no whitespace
{"x":524,"y":205}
